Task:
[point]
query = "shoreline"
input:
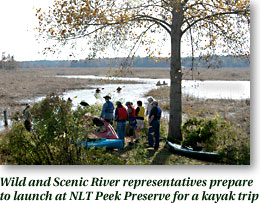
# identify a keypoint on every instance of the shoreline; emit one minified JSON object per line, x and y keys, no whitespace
{"x":30,"y":83}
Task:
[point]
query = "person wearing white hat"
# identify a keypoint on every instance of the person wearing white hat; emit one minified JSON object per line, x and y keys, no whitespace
{"x":150,"y":99}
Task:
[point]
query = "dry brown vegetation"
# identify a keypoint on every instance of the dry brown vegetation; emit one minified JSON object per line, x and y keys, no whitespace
{"x":234,"y":111}
{"x":199,"y":74}
{"x":32,"y":82}
{"x":19,"y":84}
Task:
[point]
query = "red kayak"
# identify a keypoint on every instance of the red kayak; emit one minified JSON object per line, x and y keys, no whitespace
{"x":103,"y":130}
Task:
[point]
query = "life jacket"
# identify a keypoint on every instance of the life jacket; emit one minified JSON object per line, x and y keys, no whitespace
{"x":141,"y":112}
{"x":122,"y":113}
{"x":133,"y":111}
{"x":110,"y":107}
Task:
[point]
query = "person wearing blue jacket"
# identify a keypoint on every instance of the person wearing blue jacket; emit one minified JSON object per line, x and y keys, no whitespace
{"x":154,"y":123}
{"x":107,"y":110}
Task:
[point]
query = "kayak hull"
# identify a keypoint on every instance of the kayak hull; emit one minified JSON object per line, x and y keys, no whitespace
{"x":108,"y":143}
{"x":201,"y":155}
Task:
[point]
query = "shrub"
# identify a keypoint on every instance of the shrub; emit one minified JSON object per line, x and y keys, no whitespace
{"x":55,"y":126}
{"x":217,"y":135}
{"x":201,"y":131}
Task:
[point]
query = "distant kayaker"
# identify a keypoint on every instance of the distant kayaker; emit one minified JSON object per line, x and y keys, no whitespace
{"x":98,"y":90}
{"x":107,"y":110}
{"x":118,"y":89}
{"x":120,"y":118}
{"x":154,"y":123}
{"x":69,"y":100}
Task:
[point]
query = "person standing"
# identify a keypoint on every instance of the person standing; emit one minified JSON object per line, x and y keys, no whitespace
{"x":120,"y":118}
{"x":27,"y":118}
{"x":149,"y":105}
{"x":140,"y":111}
{"x":154,"y":123}
{"x":132,"y":122}
{"x":107,"y":110}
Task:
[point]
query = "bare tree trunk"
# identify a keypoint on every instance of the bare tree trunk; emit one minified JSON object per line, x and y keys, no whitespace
{"x":176,"y":77}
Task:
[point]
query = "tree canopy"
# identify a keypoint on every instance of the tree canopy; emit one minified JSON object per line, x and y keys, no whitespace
{"x":209,"y":26}
{"x":213,"y":24}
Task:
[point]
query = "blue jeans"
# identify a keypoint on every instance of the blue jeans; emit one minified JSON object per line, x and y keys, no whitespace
{"x":121,"y":128}
{"x":154,"y":131}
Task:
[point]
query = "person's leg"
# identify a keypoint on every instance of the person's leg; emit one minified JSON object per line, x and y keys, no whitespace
{"x":131,"y":134}
{"x":123,"y":129}
{"x":157,"y":135}
{"x":132,"y":123}
{"x":151,"y":134}
{"x":120,"y":132}
{"x":137,"y":130}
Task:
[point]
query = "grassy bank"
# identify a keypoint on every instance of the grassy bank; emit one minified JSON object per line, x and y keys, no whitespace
{"x":56,"y":126}
{"x":20,"y":84}
{"x":234,"y":111}
{"x":233,"y":120}
{"x":28,"y":83}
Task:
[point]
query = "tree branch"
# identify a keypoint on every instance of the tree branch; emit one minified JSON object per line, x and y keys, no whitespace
{"x":162,"y":23}
{"x":214,"y":15}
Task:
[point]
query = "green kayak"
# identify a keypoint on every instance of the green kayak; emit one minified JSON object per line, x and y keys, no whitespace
{"x":178,"y":149}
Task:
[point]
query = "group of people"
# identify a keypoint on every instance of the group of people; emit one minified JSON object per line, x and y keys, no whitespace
{"x":135,"y":117}
{"x":118,"y":90}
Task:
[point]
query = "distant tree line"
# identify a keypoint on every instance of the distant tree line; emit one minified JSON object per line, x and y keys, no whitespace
{"x":7,"y":62}
{"x":199,"y":62}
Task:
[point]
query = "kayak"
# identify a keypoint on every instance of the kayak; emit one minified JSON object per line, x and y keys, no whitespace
{"x":108,"y":143}
{"x":106,"y":135}
{"x":103,"y":128}
{"x":185,"y":151}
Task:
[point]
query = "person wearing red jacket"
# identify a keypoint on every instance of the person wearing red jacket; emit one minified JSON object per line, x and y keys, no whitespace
{"x":120,"y":118}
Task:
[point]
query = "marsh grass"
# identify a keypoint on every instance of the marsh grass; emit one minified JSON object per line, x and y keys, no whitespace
{"x":234,"y":111}
{"x":233,"y":126}
{"x":26,"y":83}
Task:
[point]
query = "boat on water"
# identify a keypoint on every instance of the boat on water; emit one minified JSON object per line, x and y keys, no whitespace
{"x":161,"y":84}
{"x":189,"y":152}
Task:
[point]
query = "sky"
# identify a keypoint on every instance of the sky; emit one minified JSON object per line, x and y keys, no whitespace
{"x":18,"y":37}
{"x":17,"y":21}
{"x":18,"y":34}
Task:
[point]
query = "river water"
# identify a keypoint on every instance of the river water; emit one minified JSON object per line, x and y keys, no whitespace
{"x":133,"y":92}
